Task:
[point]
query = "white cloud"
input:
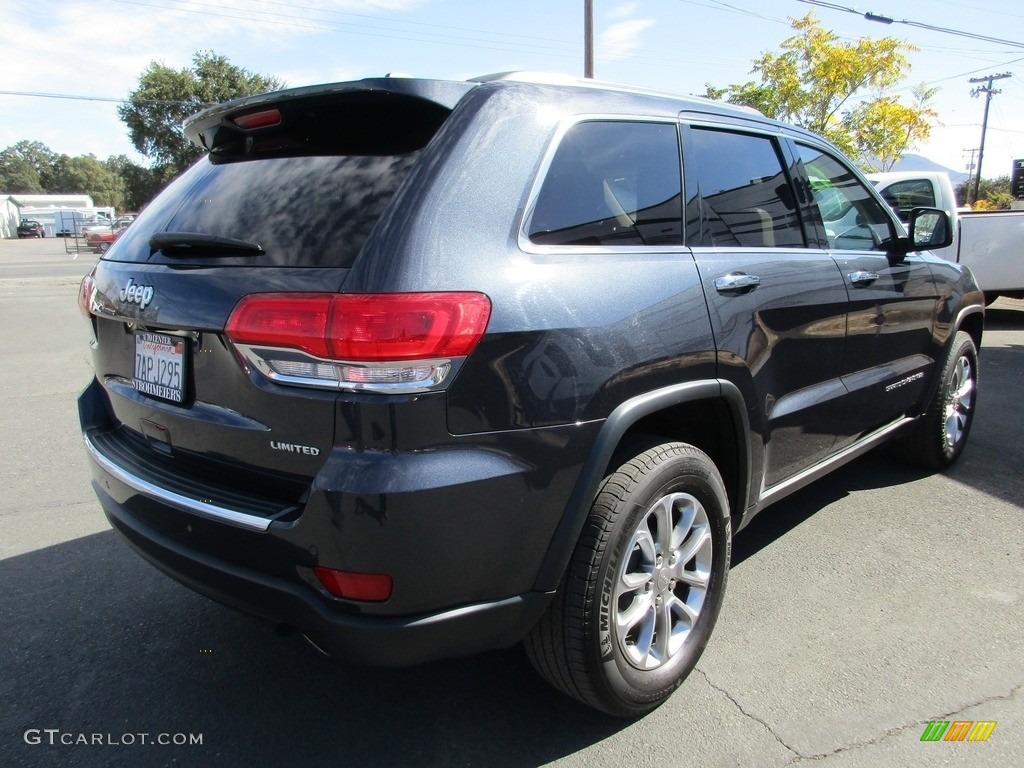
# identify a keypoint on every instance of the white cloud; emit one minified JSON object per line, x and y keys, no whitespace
{"x":622,"y":38}
{"x":623,"y":11}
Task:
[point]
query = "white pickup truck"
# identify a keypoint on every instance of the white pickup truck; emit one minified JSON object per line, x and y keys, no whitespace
{"x":990,"y":243}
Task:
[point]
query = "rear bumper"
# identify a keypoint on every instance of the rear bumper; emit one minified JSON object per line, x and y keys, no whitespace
{"x":461,"y":528}
{"x":373,"y":640}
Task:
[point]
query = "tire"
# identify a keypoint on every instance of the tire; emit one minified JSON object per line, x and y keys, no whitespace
{"x":644,"y":586}
{"x":104,"y":247}
{"x":941,"y":434}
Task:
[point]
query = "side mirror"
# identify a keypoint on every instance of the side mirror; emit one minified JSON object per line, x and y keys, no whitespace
{"x":929,"y":228}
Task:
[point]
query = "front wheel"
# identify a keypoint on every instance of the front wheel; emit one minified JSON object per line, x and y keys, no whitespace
{"x":941,"y":434}
{"x":644,"y":587}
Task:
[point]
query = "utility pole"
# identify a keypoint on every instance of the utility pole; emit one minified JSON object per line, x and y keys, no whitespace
{"x":588,"y":39}
{"x":970,"y":166}
{"x":989,"y":93}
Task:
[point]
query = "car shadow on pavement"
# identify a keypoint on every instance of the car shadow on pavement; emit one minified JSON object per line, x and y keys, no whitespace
{"x":874,"y":470}
{"x":98,"y":642}
{"x":990,"y":463}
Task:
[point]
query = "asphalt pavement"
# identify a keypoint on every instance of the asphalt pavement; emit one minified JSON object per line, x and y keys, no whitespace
{"x":858,"y":610}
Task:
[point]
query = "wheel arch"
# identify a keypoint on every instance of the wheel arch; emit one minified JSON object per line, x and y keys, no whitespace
{"x":972,"y":321}
{"x":709,"y":415}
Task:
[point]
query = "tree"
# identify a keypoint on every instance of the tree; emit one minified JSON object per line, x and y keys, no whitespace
{"x":156,"y":109}
{"x":140,"y":184}
{"x":26,"y":167}
{"x":17,"y":175}
{"x":86,"y":175}
{"x":818,"y":82}
{"x":884,"y":128}
{"x":993,"y":194}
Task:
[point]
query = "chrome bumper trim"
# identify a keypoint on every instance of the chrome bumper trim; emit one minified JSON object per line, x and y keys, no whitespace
{"x":184,"y":503}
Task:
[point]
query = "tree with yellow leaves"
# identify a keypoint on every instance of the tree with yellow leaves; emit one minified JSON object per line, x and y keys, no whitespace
{"x":836,"y":89}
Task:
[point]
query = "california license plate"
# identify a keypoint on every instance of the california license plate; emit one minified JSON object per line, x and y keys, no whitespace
{"x":160,"y":366}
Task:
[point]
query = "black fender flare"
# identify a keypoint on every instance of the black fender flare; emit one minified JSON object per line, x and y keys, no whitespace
{"x":625,"y":415}
{"x":955,"y":327}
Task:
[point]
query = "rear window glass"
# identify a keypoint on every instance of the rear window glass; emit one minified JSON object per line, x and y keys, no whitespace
{"x":610,"y":184}
{"x":303,"y":211}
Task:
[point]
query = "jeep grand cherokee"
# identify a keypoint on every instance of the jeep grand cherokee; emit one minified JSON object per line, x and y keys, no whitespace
{"x":425,"y":368}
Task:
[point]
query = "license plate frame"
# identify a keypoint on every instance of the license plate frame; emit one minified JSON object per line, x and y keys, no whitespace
{"x":161,"y":365}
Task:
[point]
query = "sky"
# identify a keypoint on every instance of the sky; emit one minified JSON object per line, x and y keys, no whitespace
{"x":77,"y":58}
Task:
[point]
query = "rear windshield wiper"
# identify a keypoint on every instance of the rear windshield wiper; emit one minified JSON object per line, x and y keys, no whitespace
{"x":198,"y":244}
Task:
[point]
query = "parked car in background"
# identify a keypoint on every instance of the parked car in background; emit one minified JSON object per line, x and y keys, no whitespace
{"x":115,"y":227}
{"x":97,"y":226}
{"x":102,"y":240}
{"x":107,"y":225}
{"x":990,"y":243}
{"x":31,"y":228}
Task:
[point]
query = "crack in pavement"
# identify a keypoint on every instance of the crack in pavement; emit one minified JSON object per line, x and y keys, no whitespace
{"x":799,"y":757}
{"x":764,"y":724}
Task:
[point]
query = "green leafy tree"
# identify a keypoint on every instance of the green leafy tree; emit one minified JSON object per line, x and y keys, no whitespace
{"x":18,"y":176}
{"x":141,"y":184}
{"x":821,"y":83}
{"x":26,"y":167}
{"x":85,"y":175}
{"x":993,"y":194}
{"x":156,"y":109}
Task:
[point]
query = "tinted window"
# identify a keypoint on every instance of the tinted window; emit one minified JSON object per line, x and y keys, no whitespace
{"x":303,"y":211}
{"x":744,"y":191}
{"x":853,"y":219}
{"x":611,"y":183}
{"x":904,"y":196}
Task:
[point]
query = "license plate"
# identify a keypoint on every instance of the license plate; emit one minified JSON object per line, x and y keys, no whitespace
{"x":160,"y":366}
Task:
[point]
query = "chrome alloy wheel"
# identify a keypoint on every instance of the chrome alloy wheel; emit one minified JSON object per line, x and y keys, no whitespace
{"x":663,"y":580}
{"x":959,"y":402}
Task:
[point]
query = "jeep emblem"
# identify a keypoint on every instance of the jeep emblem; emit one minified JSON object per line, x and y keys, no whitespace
{"x":136,"y":294}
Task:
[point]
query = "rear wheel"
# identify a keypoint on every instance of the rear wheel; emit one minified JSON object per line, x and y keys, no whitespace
{"x":644,"y":587}
{"x":940,"y":436}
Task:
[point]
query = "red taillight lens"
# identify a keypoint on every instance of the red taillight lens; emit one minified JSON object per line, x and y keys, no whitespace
{"x":282,"y":320}
{"x":85,"y":295}
{"x":363,"y":327}
{"x":407,"y":326}
{"x":369,"y":587}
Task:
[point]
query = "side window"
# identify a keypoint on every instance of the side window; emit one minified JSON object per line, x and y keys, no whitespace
{"x":611,"y":183}
{"x":904,"y":196}
{"x":853,"y":219}
{"x":746,"y":199}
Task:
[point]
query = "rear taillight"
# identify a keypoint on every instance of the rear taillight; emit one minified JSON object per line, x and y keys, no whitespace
{"x":378,"y":342}
{"x":85,"y":291}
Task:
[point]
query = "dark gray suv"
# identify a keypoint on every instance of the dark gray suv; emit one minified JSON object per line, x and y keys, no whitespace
{"x":426,"y":368}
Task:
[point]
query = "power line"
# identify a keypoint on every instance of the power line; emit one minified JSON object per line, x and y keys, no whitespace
{"x":716,"y":5}
{"x":888,"y":20}
{"x":40,"y":95}
{"x":75,"y":97}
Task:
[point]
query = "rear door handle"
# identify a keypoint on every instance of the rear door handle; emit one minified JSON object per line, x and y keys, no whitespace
{"x":863,"y":278}
{"x":736,"y":282}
